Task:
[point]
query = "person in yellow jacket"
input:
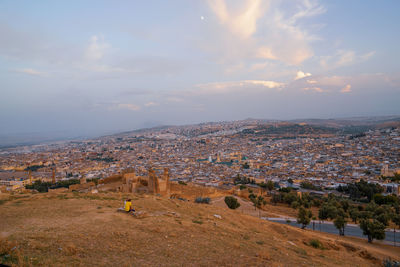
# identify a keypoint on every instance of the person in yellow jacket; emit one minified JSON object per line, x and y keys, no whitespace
{"x":128,"y":206}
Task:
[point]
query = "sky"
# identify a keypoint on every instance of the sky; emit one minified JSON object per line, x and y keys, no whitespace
{"x":80,"y":68}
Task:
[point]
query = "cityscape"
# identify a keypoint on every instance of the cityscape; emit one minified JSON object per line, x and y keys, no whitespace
{"x":214,"y":154}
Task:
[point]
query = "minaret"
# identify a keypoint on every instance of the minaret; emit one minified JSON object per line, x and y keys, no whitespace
{"x":218,"y":157}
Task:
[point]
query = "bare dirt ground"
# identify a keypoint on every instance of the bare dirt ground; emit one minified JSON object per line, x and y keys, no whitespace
{"x":74,"y":229}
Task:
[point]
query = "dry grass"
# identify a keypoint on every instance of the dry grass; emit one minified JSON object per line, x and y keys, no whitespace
{"x":85,"y":230}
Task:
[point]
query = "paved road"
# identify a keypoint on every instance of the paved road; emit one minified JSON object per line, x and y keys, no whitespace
{"x":328,"y":227}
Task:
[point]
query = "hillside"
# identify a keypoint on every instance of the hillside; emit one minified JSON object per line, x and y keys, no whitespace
{"x":73,"y":229}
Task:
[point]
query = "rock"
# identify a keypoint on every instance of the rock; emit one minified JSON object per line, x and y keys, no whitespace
{"x":217,"y":216}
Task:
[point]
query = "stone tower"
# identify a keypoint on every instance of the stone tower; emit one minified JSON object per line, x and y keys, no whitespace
{"x":153,"y":182}
{"x":166,"y":180}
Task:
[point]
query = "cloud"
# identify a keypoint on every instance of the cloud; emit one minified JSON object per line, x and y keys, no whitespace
{"x":315,"y":89}
{"x":263,"y":30}
{"x":266,"y":53}
{"x":268,"y":84}
{"x":150,"y":104}
{"x":367,"y":55}
{"x":346,"y":89}
{"x":289,"y":41}
{"x":97,"y":48}
{"x":174,"y":99}
{"x":258,"y":66}
{"x":301,"y":75}
{"x":242,"y":23}
{"x":344,"y":58}
{"x":127,"y":106}
{"x":308,"y":9}
{"x":31,"y":72}
{"x":228,"y":87}
{"x":357,"y":84}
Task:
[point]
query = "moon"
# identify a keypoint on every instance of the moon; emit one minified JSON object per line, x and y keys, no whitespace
{"x":202,"y":17}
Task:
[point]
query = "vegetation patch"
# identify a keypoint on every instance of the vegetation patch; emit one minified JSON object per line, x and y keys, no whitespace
{"x":8,"y":252}
{"x":315,"y":243}
{"x":232,"y":202}
{"x":246,"y":237}
{"x":43,"y":187}
{"x":62,"y":196}
{"x":390,"y":263}
{"x":299,"y":251}
{"x":202,"y":200}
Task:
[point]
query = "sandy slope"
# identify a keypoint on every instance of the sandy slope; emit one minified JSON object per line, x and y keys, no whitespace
{"x":85,"y":230}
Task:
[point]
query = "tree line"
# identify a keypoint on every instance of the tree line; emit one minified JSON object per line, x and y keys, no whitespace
{"x":43,"y":187}
{"x":366,"y":206}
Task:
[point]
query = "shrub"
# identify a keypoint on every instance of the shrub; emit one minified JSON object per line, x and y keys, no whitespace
{"x":232,"y":202}
{"x":182,"y":183}
{"x":8,"y":253}
{"x":294,"y":205}
{"x":202,"y":200}
{"x":315,"y":243}
{"x":390,"y":263}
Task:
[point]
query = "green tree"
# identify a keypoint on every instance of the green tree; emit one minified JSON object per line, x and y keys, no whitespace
{"x":270,"y":185}
{"x":396,"y":221}
{"x":263,"y":186}
{"x":304,"y":217}
{"x":327,"y":211}
{"x":232,"y":202}
{"x":340,"y":224}
{"x":295,"y":205}
{"x":308,"y":185}
{"x":258,"y":201}
{"x":276,"y":198}
{"x":354,"y":214}
{"x":373,"y":229}
{"x":345,"y":205}
{"x":340,"y":220}
{"x":288,"y":198}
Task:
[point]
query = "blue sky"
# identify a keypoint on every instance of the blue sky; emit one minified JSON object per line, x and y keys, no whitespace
{"x":95,"y":67}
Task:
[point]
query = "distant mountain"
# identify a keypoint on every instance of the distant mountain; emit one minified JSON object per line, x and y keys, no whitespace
{"x":351,"y":125}
{"x":353,"y":121}
{"x":263,"y":127}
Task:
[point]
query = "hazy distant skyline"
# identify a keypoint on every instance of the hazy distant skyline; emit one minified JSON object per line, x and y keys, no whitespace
{"x":95,"y":67}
